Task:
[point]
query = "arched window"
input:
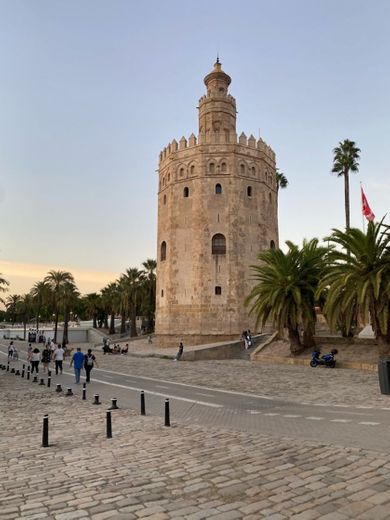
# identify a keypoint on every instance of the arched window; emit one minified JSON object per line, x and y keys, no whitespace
{"x":181,"y":172}
{"x":242,"y":169}
{"x":270,"y":197}
{"x":249,"y":191}
{"x":186,"y":192}
{"x":165,"y":199}
{"x":211,"y":167}
{"x":218,"y":289}
{"x":253,"y":171}
{"x":163,"y":181}
{"x":218,"y":244}
{"x":223,"y":167}
{"x":162,"y":293}
{"x":192,"y":170}
{"x":169,"y":177}
{"x":163,"y":251}
{"x":218,"y":189}
{"x":272,"y":244}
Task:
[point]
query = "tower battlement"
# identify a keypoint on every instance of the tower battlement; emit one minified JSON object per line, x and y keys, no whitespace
{"x":243,"y":141}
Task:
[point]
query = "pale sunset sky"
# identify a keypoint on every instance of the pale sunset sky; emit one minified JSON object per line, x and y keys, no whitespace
{"x":92,"y":90}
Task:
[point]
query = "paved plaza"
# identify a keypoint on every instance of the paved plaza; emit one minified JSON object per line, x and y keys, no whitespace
{"x":187,"y":471}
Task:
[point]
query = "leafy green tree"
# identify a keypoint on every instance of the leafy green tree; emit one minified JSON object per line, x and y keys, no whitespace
{"x":358,"y":280}
{"x":285,"y":292}
{"x":68,"y":296}
{"x":55,"y":280}
{"x":110,"y":295}
{"x":132,"y":281}
{"x":25,"y":310}
{"x":41,"y":298}
{"x":346,"y":157}
{"x":3,"y":285}
{"x":92,"y":303}
{"x":149,"y":291}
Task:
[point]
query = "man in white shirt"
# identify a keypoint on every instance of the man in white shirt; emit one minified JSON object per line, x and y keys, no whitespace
{"x":58,"y":357}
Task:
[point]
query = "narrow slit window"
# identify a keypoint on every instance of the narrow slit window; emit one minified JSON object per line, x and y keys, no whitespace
{"x":186,"y":192}
{"x":249,"y":191}
{"x":163,"y":251}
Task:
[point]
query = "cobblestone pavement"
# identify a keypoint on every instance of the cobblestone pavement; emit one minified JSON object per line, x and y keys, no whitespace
{"x":293,"y":383}
{"x":182,"y":472}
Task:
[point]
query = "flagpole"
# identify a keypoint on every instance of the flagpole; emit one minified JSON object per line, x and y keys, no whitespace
{"x":361,"y":204}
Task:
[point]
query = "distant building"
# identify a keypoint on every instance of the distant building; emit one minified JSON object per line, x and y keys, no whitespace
{"x":217,"y":209}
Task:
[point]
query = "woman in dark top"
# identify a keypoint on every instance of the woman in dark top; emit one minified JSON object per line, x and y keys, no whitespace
{"x":46,"y":357}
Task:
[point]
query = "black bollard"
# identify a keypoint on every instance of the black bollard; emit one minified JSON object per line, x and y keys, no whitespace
{"x":84,"y":391}
{"x":59,"y":388}
{"x":108,"y":424}
{"x":49,"y":373}
{"x":49,"y":382}
{"x":17,"y":373}
{"x":143,"y":403}
{"x":45,"y":432}
{"x":12,"y":370}
{"x":4,"y":367}
{"x":96,"y":399}
{"x":114,"y":406}
{"x":23,"y":370}
{"x":8,"y":366}
{"x":69,"y":392}
{"x":35,"y":380}
{"x":41,"y":382}
{"x":28,"y":373}
{"x":167,"y":418}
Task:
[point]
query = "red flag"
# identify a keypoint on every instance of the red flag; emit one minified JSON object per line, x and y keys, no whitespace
{"x":367,"y":212}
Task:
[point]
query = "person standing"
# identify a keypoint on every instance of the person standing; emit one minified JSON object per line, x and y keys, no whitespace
{"x":89,"y":360}
{"x":179,"y":354}
{"x":46,"y":357}
{"x":35,"y":359}
{"x":11,"y":349}
{"x":58,"y":357}
{"x":78,"y":362}
{"x":29,"y":352}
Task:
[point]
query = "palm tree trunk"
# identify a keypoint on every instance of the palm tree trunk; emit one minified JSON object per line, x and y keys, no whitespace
{"x":123,"y":322}
{"x":295,"y":341}
{"x":133,"y":326}
{"x":25,"y":328}
{"x":65,"y":339}
{"x":112,"y":323}
{"x":346,"y":198}
{"x":94,"y":324}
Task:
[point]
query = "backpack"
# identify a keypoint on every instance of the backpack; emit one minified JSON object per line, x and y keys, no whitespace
{"x":89,"y":361}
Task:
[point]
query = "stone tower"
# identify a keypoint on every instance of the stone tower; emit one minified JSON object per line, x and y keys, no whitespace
{"x":217,"y":209}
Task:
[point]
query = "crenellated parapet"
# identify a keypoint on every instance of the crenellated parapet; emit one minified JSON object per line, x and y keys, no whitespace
{"x":243,"y":141}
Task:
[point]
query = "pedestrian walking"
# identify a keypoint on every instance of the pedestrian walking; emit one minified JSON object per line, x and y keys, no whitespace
{"x":78,"y":362}
{"x":89,"y":362}
{"x":11,"y":349}
{"x":179,"y":354}
{"x":46,"y":358}
{"x":29,"y":352}
{"x":58,"y":357}
{"x":35,"y":359}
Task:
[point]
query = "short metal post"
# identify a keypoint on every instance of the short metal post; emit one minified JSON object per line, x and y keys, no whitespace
{"x":167,"y":418}
{"x":84,"y":391}
{"x":69,"y":392}
{"x":12,"y":370}
{"x":8,"y":366}
{"x":45,"y":433}
{"x":17,"y":373}
{"x":96,"y":399}
{"x":49,"y":382}
{"x":35,"y":380}
{"x":42,"y":382}
{"x":59,"y":388}
{"x":23,"y":370}
{"x":108,"y":424}
{"x":49,"y":373}
{"x":114,"y":406}
{"x":28,"y":373}
{"x":143,"y":403}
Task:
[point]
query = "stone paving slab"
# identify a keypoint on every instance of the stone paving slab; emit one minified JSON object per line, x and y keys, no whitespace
{"x":191,"y":472}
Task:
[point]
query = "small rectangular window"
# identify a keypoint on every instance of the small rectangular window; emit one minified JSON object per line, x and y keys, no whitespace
{"x":218,"y":290}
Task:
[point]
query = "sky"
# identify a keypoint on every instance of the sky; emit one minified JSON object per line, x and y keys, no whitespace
{"x":92,"y":90}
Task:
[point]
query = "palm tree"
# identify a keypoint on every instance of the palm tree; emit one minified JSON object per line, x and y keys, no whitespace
{"x":111,"y":303}
{"x":92,"y":303}
{"x":68,"y":296}
{"x":3,"y":285}
{"x":25,"y":310}
{"x":358,"y":280}
{"x":287,"y":283}
{"x":281,"y":180}
{"x":150,"y":266}
{"x":133,"y":279}
{"x":346,"y":157}
{"x":55,"y":280}
{"x":41,"y":296}
{"x":11,"y":304}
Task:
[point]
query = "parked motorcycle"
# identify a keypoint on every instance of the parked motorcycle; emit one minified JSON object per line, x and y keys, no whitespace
{"x":327,"y":360}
